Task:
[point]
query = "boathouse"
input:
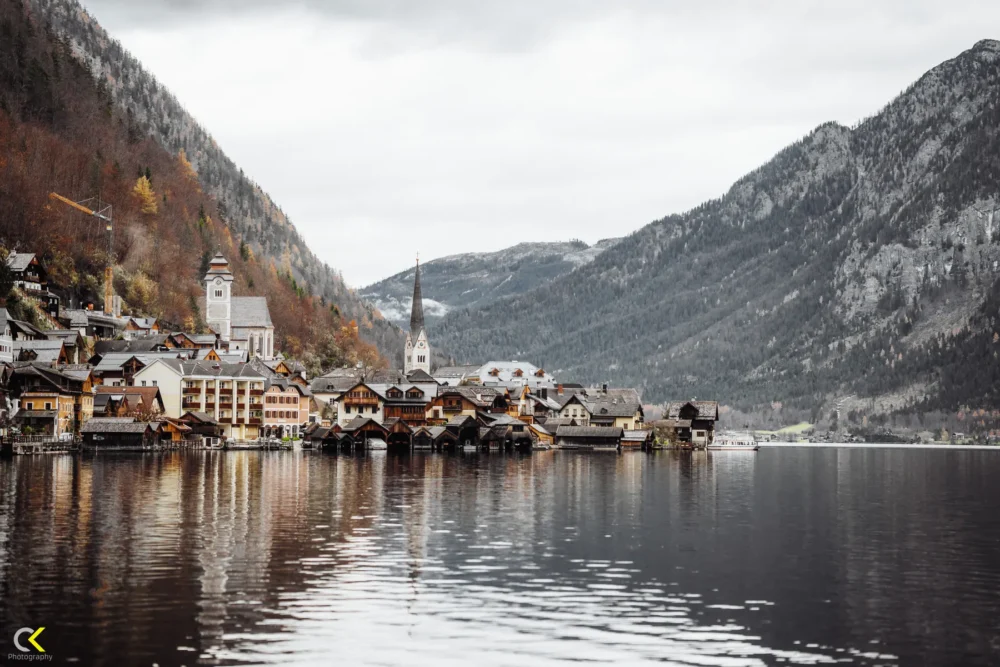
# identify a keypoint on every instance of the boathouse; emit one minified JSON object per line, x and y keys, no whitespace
{"x":589,"y":437}
{"x":117,"y":433}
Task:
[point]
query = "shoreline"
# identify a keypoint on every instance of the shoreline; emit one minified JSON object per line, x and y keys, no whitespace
{"x":888,"y":445}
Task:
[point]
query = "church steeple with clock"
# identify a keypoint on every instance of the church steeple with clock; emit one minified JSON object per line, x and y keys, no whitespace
{"x":417,"y":355}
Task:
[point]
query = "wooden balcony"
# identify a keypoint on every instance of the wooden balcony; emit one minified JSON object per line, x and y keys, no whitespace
{"x":225,"y":405}
{"x":191,"y":390}
{"x":353,"y":400}
{"x":255,"y":421}
{"x":256,"y":392}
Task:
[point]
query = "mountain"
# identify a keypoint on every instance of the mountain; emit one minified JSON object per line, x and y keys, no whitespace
{"x":65,"y":129}
{"x":248,"y":213}
{"x":80,"y":116}
{"x":479,"y":279}
{"x":857,"y":267}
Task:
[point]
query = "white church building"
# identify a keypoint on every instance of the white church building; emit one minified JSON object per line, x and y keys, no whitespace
{"x":242,"y":322}
{"x":417,"y":354}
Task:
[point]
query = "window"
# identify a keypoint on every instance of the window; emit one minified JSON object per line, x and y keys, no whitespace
{"x":218,"y":294}
{"x":143,"y":383}
{"x":154,"y":383}
{"x":48,"y":406}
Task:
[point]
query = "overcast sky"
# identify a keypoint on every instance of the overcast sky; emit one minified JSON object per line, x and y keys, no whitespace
{"x":388,"y":128}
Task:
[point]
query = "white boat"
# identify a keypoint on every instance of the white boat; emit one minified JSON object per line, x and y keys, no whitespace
{"x":734,"y":441}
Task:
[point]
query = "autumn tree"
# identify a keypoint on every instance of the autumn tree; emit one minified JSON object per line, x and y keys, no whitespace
{"x":143,"y":191}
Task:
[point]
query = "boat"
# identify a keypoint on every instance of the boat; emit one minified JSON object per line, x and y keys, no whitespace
{"x":733,"y":441}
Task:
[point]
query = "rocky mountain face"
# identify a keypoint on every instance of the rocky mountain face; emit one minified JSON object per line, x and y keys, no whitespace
{"x":859,"y":266}
{"x":245,"y":208}
{"x":479,"y":279}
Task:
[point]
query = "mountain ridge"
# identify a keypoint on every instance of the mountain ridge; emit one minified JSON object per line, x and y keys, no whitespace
{"x":849,"y":242}
{"x":471,"y":279}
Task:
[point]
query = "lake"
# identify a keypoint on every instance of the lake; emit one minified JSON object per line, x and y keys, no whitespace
{"x":786,"y":556}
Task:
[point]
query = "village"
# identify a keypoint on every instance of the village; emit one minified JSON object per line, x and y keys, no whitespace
{"x":100,"y":380}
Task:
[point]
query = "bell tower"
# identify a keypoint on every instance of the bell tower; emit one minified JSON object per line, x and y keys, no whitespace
{"x":219,"y":296}
{"x":417,"y":355}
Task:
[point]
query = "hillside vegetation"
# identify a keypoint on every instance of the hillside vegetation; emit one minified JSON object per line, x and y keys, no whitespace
{"x":61,"y":130}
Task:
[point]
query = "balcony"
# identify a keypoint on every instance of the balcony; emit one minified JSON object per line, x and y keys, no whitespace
{"x":255,"y":421}
{"x":210,"y":407}
{"x":226,"y":404}
{"x":191,"y":390}
{"x":256,"y":392}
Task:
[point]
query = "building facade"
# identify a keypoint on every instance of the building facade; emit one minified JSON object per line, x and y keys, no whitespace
{"x":242,"y":322}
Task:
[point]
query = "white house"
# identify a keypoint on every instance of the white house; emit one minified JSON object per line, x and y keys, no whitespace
{"x":514,"y":373}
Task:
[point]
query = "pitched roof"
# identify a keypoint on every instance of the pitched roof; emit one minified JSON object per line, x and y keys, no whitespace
{"x":149,"y":395}
{"x":615,"y":403}
{"x":420,"y":375}
{"x":250,"y":311}
{"x":45,"y":350}
{"x":705,"y":409}
{"x":584,"y":432}
{"x":212,"y":368}
{"x":113,"y":425}
{"x":19,"y":261}
{"x":332,"y":385}
{"x":456,"y":371}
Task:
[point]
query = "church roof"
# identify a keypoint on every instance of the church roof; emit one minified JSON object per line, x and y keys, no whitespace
{"x":417,"y":310}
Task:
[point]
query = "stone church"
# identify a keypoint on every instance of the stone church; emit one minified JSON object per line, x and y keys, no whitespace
{"x":242,"y":322}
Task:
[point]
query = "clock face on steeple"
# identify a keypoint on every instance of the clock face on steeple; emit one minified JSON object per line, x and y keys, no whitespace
{"x":420,"y":344}
{"x":218,"y":281}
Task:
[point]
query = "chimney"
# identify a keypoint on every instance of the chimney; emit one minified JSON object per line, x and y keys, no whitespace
{"x":545,"y":392}
{"x":604,"y":388}
{"x":559,"y":389}
{"x":90,"y":306}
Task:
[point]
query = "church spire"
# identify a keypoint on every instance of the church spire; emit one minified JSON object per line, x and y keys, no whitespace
{"x":417,"y":312}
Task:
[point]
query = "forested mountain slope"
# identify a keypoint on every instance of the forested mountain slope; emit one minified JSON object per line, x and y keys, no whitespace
{"x":478,"y":279}
{"x":859,"y":261}
{"x":61,"y":131}
{"x":151,"y":110}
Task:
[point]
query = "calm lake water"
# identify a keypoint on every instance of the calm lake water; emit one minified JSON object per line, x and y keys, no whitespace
{"x":868,"y":557}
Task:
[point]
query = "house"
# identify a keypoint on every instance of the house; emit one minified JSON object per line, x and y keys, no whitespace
{"x":621,"y":408}
{"x":327,"y":389}
{"x":202,"y":426}
{"x":588,"y":437}
{"x":409,"y":402}
{"x":45,"y":351}
{"x":694,"y":421}
{"x":360,"y":400}
{"x":6,"y":338}
{"x":129,"y":401}
{"x":615,"y":407}
{"x":468,"y":401}
{"x":514,"y":373}
{"x":140,"y":326}
{"x":288,"y":368}
{"x":117,"y":369}
{"x":229,"y":394}
{"x":137,"y":345}
{"x":52,"y":402}
{"x":242,"y":322}
{"x":190,"y":341}
{"x":117,"y":433}
{"x":536,"y":404}
{"x":433,"y":437}
{"x":73,"y":343}
{"x":172,"y":430}
{"x":31,"y":278}
{"x":286,"y":407}
{"x":574,"y":407}
{"x":25,"y":330}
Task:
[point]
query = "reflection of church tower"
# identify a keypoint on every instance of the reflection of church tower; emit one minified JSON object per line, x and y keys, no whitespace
{"x":418,"y":349}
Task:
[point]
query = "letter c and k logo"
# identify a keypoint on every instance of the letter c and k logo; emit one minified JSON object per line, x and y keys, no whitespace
{"x":31,"y":639}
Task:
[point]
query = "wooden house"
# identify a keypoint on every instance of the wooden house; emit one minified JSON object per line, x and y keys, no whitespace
{"x":694,"y":421}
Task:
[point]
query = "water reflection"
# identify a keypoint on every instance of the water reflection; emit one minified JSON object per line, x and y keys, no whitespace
{"x":729,"y":558}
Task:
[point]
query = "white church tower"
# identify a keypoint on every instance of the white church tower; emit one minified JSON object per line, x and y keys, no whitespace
{"x":219,"y":296}
{"x":418,"y":349}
